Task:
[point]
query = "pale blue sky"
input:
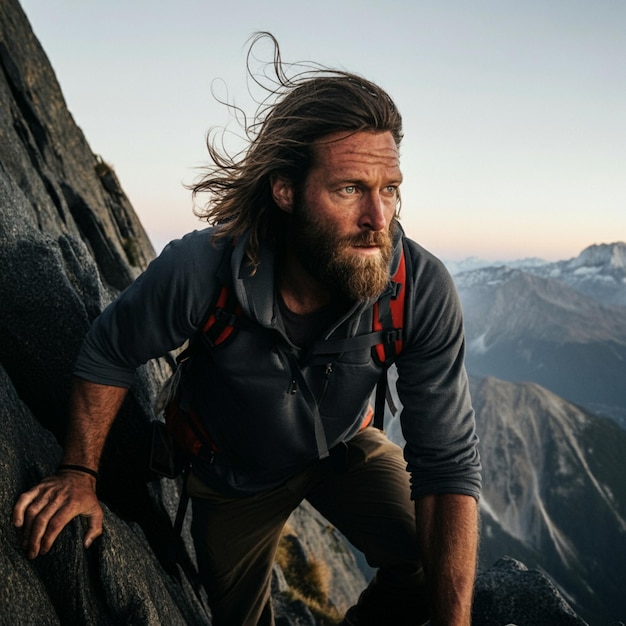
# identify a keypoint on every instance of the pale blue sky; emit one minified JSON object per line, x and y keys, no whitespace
{"x":515,"y":112}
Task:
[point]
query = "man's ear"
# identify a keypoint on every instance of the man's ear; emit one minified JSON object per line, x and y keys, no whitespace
{"x":282,"y":192}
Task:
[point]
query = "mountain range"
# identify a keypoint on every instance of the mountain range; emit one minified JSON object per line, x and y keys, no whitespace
{"x":599,"y":271}
{"x":556,"y":324}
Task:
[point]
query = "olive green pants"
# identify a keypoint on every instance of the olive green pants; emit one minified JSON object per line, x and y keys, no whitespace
{"x":362,"y":489}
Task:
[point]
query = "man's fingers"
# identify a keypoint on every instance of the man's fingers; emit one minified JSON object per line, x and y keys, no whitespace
{"x":45,"y":510}
{"x":34,"y":522}
{"x":37,"y":518}
{"x":52,"y":529}
{"x":94,"y":527}
{"x":33,"y":519}
{"x":22,"y":504}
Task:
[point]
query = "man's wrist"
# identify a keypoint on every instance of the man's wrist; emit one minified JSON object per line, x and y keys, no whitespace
{"x":71,"y":467}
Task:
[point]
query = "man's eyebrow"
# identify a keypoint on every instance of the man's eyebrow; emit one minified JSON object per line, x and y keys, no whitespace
{"x":338,"y":180}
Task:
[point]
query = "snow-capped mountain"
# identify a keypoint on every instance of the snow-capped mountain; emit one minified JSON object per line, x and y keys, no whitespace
{"x":599,"y":271}
{"x":522,"y":327}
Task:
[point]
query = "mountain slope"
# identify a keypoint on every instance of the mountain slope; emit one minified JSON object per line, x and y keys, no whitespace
{"x":554,"y":494}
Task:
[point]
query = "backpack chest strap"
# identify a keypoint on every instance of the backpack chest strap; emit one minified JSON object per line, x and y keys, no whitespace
{"x":359,"y":342}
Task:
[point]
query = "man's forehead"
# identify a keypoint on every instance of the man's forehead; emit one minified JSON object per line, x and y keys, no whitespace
{"x":350,"y":147}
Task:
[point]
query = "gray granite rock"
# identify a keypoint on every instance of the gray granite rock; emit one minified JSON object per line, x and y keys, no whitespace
{"x":69,"y":242}
{"x":510,"y":593}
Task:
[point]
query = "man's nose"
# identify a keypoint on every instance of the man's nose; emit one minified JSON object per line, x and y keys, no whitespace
{"x":373,"y":212}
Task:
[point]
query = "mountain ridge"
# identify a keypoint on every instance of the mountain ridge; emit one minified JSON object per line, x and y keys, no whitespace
{"x":515,"y":301}
{"x":553,"y":491}
{"x":599,"y":271}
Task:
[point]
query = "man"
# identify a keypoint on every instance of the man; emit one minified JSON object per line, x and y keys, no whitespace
{"x":305,"y":230}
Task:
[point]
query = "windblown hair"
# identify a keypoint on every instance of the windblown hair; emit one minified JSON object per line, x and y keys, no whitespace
{"x":298,"y":110}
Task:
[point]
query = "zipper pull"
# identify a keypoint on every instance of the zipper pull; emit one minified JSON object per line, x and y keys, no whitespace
{"x":328,"y":369}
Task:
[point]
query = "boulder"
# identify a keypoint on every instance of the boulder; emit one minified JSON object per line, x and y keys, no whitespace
{"x":510,"y":593}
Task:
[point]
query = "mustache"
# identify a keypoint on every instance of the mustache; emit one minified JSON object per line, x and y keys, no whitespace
{"x":381,"y":238}
{"x":378,"y":238}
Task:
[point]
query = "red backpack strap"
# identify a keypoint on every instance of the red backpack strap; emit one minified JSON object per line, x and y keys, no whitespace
{"x":223,"y":318}
{"x":388,"y":315}
{"x":223,"y":315}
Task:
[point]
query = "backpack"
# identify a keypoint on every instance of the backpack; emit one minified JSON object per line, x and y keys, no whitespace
{"x":182,"y":437}
{"x":225,"y":317}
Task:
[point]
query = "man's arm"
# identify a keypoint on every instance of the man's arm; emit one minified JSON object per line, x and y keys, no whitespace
{"x":42,"y":512}
{"x":447,"y":528}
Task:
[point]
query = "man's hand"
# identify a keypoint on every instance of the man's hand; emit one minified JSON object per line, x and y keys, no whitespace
{"x":43,"y":511}
{"x":46,"y":509}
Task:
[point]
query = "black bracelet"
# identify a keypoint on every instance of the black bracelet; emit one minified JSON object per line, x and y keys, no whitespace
{"x":79,"y":468}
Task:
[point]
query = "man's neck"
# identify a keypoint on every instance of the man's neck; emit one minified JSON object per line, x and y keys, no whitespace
{"x":301,"y":292}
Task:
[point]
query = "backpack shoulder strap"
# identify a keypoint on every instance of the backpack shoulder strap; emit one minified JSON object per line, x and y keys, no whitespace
{"x":224,"y":313}
{"x":224,"y":316}
{"x":389,"y":313}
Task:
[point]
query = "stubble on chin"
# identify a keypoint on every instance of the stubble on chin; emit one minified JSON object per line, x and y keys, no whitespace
{"x":334,"y":261}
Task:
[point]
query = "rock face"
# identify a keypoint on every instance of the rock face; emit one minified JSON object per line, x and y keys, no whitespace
{"x":69,"y":242}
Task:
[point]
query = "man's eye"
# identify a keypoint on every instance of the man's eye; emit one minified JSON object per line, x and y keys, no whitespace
{"x":391,"y":189}
{"x":350,"y":189}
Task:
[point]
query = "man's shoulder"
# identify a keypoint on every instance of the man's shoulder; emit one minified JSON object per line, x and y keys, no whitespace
{"x":188,"y":265}
{"x":196,"y":242}
{"x":198,"y":250}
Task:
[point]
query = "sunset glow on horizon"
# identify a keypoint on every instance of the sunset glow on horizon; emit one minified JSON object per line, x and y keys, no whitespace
{"x":515,"y":123}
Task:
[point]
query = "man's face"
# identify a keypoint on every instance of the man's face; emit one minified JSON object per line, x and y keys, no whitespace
{"x":344,"y":218}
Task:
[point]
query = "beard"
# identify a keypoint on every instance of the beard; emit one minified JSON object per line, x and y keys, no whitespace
{"x":330,"y":258}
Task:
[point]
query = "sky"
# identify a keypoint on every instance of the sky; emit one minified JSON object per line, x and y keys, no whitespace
{"x":514,"y":112}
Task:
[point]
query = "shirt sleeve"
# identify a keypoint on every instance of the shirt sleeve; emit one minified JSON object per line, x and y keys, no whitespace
{"x":156,"y":314}
{"x":438,"y":421}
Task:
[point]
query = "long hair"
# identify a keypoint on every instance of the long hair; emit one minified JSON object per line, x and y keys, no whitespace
{"x":313,"y":103}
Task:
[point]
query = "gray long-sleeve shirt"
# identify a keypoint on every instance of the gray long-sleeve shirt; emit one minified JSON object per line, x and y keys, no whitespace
{"x":268,"y":409}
